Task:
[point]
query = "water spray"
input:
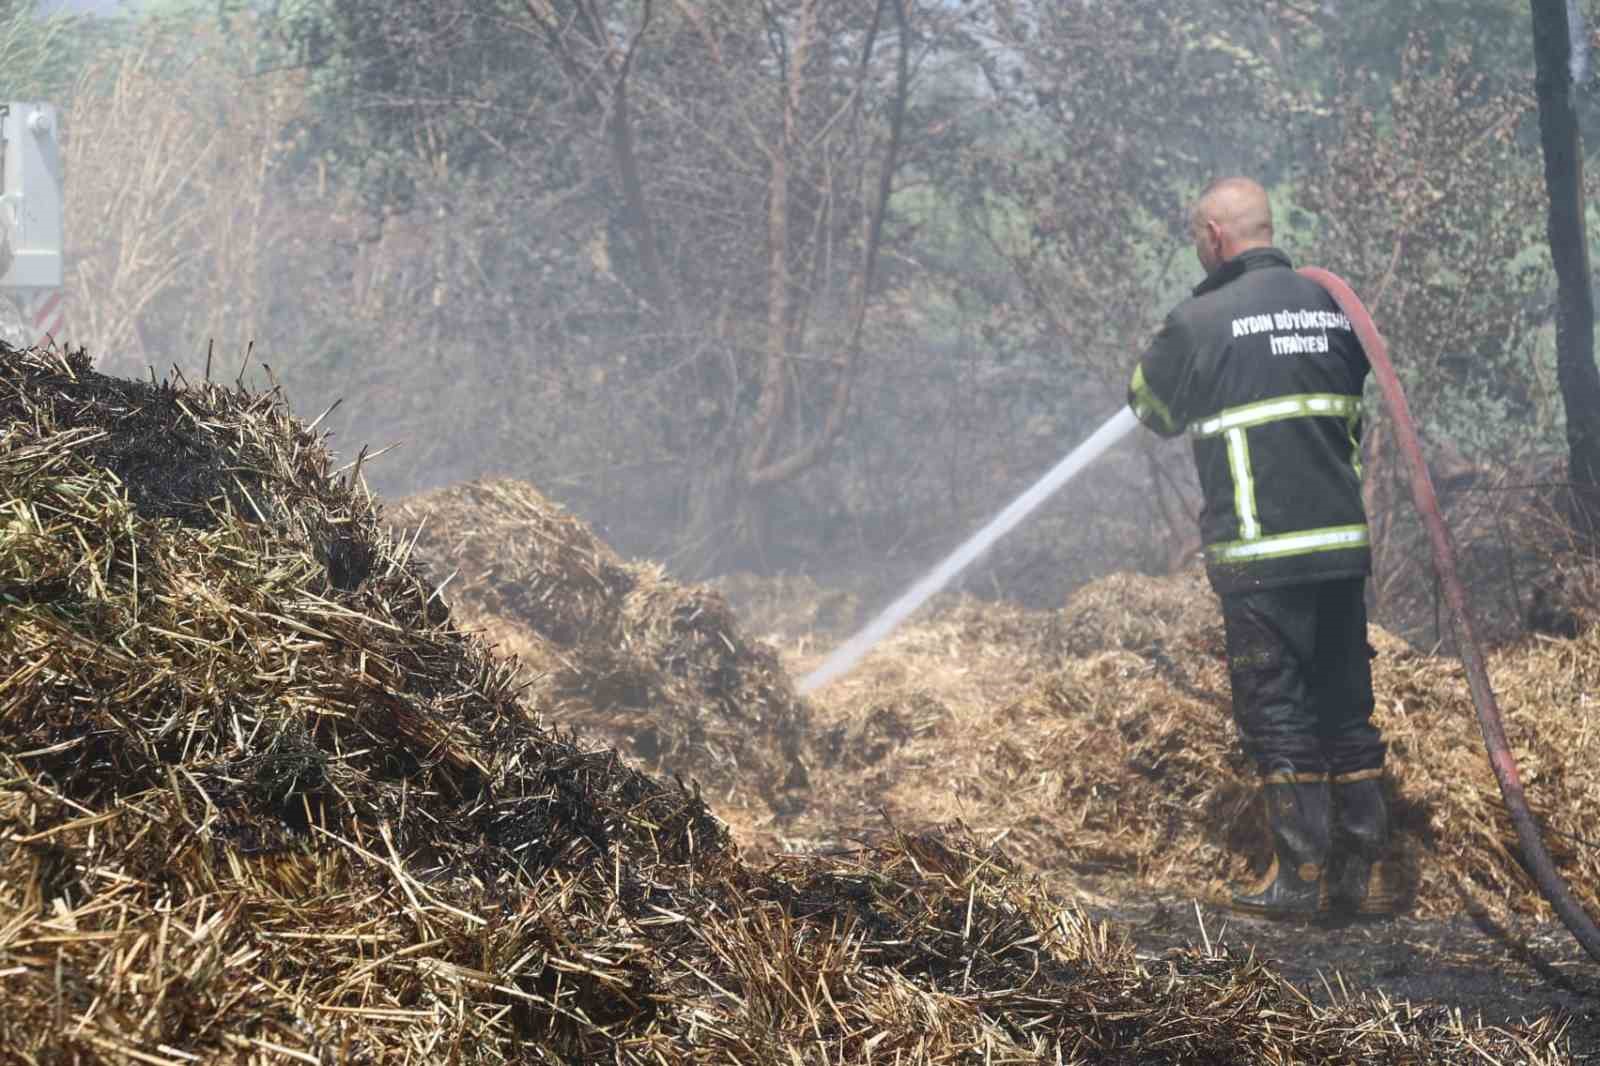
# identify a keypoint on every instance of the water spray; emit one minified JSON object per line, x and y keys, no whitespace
{"x":1534,"y":855}
{"x":844,"y":657}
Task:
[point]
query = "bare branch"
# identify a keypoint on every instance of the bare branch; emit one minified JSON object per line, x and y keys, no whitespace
{"x":808,"y":454}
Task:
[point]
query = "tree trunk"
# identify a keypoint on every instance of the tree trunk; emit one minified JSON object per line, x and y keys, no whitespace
{"x":1569,"y":248}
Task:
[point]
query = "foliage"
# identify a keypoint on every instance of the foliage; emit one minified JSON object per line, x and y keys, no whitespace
{"x":1076,"y":186}
{"x":626,"y":251}
{"x":172,"y":153}
{"x":394,"y":84}
{"x":42,"y":54}
{"x":1428,"y":208}
{"x":708,"y":185}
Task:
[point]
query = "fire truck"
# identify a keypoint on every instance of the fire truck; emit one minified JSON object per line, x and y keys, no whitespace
{"x":30,"y":225}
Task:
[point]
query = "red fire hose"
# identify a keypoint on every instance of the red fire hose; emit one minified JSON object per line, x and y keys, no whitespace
{"x":1534,"y":855}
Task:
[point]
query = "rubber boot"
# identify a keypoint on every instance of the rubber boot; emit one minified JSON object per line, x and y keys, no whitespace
{"x":1356,"y":881}
{"x":1298,"y":822}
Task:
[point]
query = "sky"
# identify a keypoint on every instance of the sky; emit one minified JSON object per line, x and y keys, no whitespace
{"x":97,"y":7}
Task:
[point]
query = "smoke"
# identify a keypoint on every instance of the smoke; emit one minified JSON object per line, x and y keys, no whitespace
{"x":852,"y":651}
{"x":1578,"y":61}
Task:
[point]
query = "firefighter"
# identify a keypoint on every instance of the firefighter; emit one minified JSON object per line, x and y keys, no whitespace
{"x":1265,"y":375}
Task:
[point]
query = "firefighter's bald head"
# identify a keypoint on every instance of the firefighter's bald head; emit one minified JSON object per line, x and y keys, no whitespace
{"x":1232,"y":215}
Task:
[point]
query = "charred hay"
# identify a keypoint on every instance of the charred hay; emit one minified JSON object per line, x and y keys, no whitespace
{"x":617,"y":651}
{"x":250,"y":813}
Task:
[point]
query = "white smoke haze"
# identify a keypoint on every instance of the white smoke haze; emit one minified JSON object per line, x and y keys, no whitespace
{"x":1578,"y":33}
{"x":852,"y":651}
{"x":486,"y":285}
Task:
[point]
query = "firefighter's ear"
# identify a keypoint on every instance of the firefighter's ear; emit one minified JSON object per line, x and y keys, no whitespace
{"x":1215,"y":243}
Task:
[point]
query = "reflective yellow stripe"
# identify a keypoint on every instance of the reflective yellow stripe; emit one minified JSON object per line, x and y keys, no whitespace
{"x":1244,"y":485}
{"x":1350,"y":424}
{"x":1305,"y":405}
{"x":1232,"y":423}
{"x":1284,"y":545}
{"x":1146,"y":403}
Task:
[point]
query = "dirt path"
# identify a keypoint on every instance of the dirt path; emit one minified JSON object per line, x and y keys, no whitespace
{"x":1472,"y":965}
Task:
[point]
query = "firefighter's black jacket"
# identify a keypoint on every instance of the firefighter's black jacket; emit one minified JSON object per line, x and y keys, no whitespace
{"x":1265,"y":374}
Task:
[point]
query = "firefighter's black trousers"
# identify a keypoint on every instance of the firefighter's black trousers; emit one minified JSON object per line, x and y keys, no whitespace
{"x":1301,"y":669}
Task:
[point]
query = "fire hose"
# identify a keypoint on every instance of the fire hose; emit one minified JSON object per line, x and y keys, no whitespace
{"x":1534,"y":854}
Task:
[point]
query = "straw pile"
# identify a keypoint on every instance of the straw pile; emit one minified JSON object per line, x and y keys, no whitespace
{"x":790,"y":606}
{"x":260,"y":802}
{"x":1104,"y":742}
{"x":617,"y":652}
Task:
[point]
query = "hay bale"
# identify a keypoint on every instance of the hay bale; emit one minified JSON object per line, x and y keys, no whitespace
{"x":621,"y":654}
{"x":1079,"y":770}
{"x":260,"y":801}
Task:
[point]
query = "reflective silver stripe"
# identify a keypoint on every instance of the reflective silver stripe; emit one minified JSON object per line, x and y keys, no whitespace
{"x":1310,"y":404}
{"x":1312,"y":540}
{"x":1244,"y":485}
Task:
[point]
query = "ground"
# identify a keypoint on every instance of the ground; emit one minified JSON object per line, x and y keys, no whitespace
{"x":1500,"y":971}
{"x":1089,"y":745}
{"x":1484,"y":961}
{"x":1473,"y":965}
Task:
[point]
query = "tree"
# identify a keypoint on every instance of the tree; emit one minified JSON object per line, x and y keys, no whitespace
{"x":42,"y":55}
{"x":1110,"y":118}
{"x":721,"y":274}
{"x":1425,"y":205}
{"x":750,"y":153}
{"x":1569,"y":247}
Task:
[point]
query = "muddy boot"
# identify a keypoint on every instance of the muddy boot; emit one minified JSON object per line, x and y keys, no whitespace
{"x":1356,"y":882}
{"x":1297,"y":819}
